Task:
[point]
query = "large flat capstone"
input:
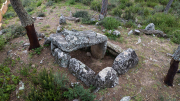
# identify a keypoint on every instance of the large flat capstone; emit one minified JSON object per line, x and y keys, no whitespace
{"x":81,"y":71}
{"x":124,"y":61}
{"x":69,"y":41}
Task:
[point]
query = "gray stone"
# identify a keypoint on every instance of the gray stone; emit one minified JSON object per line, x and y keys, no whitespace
{"x":139,"y":26}
{"x":97,"y":23}
{"x":98,"y":51}
{"x":130,"y":32}
{"x":76,"y":83}
{"x":124,"y":61}
{"x":26,"y":44}
{"x":1,"y":32}
{"x":104,"y":30}
{"x":62,"y":58}
{"x":39,"y":39}
{"x":59,"y":29}
{"x":116,"y":32}
{"x":69,"y":41}
{"x":76,"y":100}
{"x":81,"y":71}
{"x":25,"y":51}
{"x":107,"y":78}
{"x":47,"y":41}
{"x":137,"y":32}
{"x":119,"y":27}
{"x":101,"y":17}
{"x":62,"y":20}
{"x":150,"y":26}
{"x":139,"y":41}
{"x":40,"y":18}
{"x":93,"y":20}
{"x":114,"y":49}
{"x":110,"y":31}
{"x":126,"y":98}
{"x":176,"y":55}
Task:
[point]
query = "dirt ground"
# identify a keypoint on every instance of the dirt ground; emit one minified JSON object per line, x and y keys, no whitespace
{"x":143,"y":82}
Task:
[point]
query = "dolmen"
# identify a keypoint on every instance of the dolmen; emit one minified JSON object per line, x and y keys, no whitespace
{"x":65,"y":41}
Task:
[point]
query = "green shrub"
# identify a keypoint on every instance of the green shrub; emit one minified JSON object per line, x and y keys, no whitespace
{"x":9,"y":15}
{"x":146,"y":12}
{"x":71,"y":2}
{"x":86,"y":2}
{"x":110,"y":23}
{"x":36,"y":51}
{"x":96,"y":5}
{"x":164,"y":2}
{"x":117,"y":11}
{"x":139,"y":0}
{"x":29,"y":9}
{"x":151,"y":4}
{"x":38,"y":3}
{"x":176,"y":37}
{"x":2,"y":42}
{"x":130,"y":24}
{"x":49,"y":3}
{"x":40,"y":14}
{"x":159,"y":8}
{"x":82,"y":14}
{"x":79,"y":92}
{"x":128,"y":15}
{"x":26,"y":3}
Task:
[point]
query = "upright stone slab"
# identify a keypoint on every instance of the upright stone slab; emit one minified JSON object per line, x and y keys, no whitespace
{"x":108,"y":77}
{"x":98,"y":51}
{"x":81,"y":71}
{"x":124,"y":61}
{"x":62,"y":58}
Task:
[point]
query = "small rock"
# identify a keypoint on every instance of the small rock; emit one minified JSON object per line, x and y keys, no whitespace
{"x":88,"y":54}
{"x":101,"y":17}
{"x":1,"y":32}
{"x":59,"y":29}
{"x":139,"y":26}
{"x":101,"y":99}
{"x":21,"y":84}
{"x":137,"y":32}
{"x":40,"y":18}
{"x":76,"y":100}
{"x":110,"y":31}
{"x":116,"y":32}
{"x":33,"y":65}
{"x":150,"y":26}
{"x":73,"y":84}
{"x":34,"y":18}
{"x":25,"y":51}
{"x":97,"y":23}
{"x":130,"y":32}
{"x":26,"y":44}
{"x":82,"y":26}
{"x":139,"y":41}
{"x":104,"y":30}
{"x":62,"y":20}
{"x":126,"y":98}
{"x":39,"y":39}
{"x":9,"y":52}
{"x":93,"y":19}
{"x":119,"y":27}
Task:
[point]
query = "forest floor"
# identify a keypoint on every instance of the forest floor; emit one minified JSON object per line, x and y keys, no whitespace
{"x":143,"y":82}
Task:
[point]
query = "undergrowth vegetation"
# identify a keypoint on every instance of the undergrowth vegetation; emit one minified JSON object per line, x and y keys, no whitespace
{"x":110,"y":23}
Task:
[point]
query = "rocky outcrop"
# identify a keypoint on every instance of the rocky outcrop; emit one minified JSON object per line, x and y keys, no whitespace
{"x":108,"y":77}
{"x":81,"y":71}
{"x":124,"y":61}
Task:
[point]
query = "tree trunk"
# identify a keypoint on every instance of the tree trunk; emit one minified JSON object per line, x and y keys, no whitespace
{"x":34,"y":43}
{"x":27,"y":22}
{"x":171,"y":72}
{"x":104,"y":7}
{"x":168,"y":6}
